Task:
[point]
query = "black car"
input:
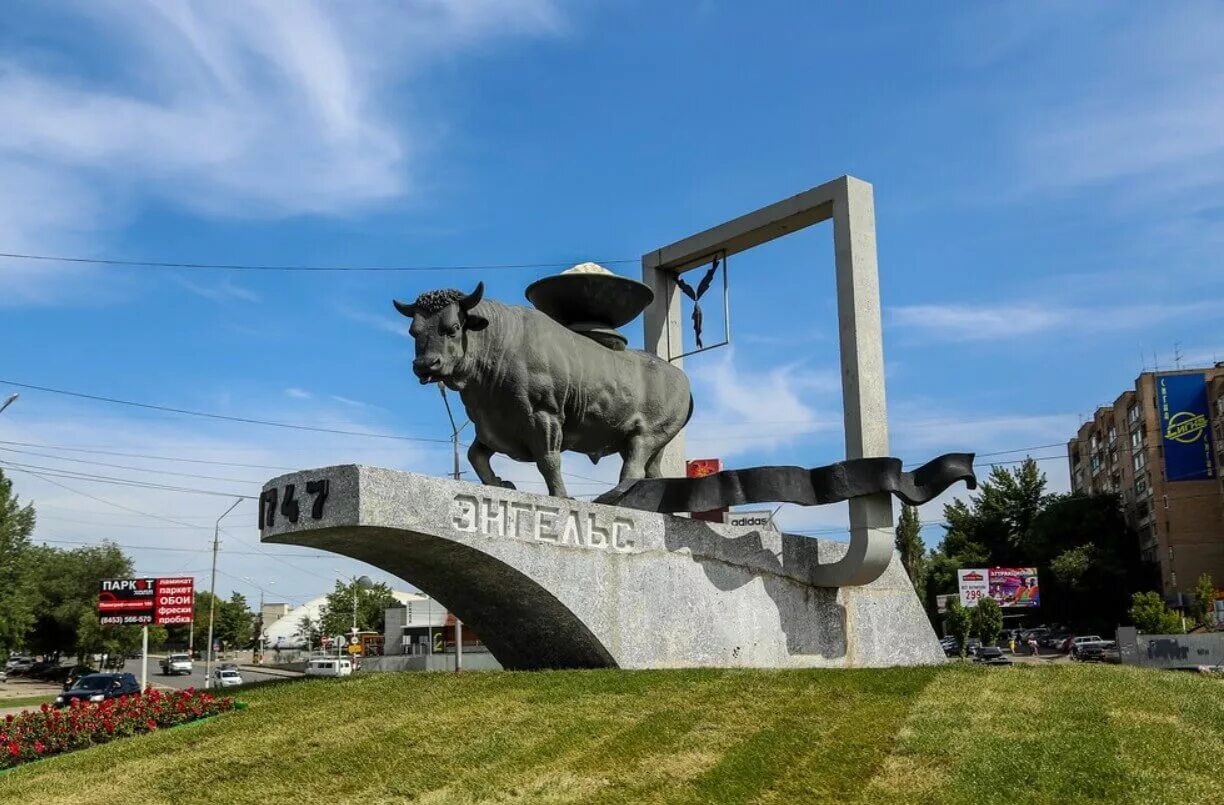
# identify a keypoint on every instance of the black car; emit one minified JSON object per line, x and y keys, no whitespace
{"x":42,"y":668}
{"x":67,"y":674}
{"x":991,"y":655}
{"x":99,"y":687}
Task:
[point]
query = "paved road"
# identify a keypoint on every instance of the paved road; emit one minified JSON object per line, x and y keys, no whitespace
{"x":196,"y":678}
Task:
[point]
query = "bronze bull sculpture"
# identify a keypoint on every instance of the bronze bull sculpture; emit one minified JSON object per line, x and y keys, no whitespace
{"x":533,"y":387}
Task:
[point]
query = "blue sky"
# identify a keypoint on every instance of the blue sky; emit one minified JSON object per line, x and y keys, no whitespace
{"x":1047,"y":181}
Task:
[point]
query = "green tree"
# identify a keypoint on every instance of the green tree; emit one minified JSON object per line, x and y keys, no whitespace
{"x":308,"y":630}
{"x":959,"y":624}
{"x":235,"y":625}
{"x":1203,"y":609}
{"x":987,"y":620}
{"x":16,"y":567}
{"x":372,"y":602}
{"x":1150,"y":615}
{"x":909,"y":544}
{"x":65,"y":592}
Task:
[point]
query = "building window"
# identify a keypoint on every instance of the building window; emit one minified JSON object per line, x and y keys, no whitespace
{"x":1140,"y":486}
{"x":1132,"y":413}
{"x":1095,"y":464}
{"x":1094,"y":443}
{"x":1139,"y":461}
{"x":1113,"y":434}
{"x":1136,"y":439}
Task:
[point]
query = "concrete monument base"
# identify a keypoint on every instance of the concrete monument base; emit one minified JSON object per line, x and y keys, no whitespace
{"x":557,"y":583}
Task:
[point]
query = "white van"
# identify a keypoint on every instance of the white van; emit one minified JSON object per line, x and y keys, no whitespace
{"x":331,"y":666}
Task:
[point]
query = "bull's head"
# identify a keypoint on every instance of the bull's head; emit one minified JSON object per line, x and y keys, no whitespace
{"x":440,"y":323}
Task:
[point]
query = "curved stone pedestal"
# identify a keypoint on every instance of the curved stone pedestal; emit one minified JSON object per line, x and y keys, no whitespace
{"x":554,"y":583}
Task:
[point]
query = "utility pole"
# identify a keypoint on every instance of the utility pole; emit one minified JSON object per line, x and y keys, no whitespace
{"x":212,"y":595}
{"x":455,"y":473}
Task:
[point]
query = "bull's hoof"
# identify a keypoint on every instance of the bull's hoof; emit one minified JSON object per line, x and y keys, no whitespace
{"x":505,"y":484}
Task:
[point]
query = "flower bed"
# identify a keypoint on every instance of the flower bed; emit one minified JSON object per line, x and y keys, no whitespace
{"x":45,"y":732}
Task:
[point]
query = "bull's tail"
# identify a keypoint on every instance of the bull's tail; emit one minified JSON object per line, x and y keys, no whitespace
{"x":690,"y":411}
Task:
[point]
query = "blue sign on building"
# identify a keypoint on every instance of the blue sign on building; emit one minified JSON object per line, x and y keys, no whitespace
{"x":1185,"y":427}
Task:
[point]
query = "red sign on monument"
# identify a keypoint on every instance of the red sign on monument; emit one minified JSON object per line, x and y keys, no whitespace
{"x":700,"y":468}
{"x":141,"y":602}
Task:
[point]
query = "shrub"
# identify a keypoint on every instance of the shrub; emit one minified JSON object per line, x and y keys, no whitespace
{"x":987,"y":620}
{"x":40,"y":733}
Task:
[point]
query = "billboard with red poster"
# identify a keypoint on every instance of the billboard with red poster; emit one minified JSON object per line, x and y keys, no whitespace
{"x":1009,"y":586}
{"x":146,"y":601}
{"x":700,"y":468}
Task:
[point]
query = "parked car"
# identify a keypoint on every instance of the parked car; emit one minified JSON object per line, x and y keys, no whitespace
{"x":67,"y":674}
{"x":329,"y":666}
{"x":1078,"y":643}
{"x":43,"y":669}
{"x":19,"y":664}
{"x":3,"y":676}
{"x":1053,"y":639}
{"x":98,"y":687}
{"x":1036,"y":633}
{"x":991,"y":655}
{"x":227,"y":677}
{"x":176,"y":664}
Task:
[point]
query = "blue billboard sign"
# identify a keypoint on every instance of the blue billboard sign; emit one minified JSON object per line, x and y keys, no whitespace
{"x":1185,"y":427}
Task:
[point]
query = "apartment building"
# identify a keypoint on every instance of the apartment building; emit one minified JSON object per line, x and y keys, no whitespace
{"x":1159,"y":447}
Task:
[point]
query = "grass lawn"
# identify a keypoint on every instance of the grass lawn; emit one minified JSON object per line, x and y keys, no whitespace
{"x":27,"y":701}
{"x":1059,"y":733}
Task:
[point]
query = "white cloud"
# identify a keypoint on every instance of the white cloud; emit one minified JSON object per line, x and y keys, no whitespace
{"x":258,"y":108}
{"x":298,"y":394}
{"x":968,"y":322}
{"x":222,"y":291}
{"x":740,"y":410}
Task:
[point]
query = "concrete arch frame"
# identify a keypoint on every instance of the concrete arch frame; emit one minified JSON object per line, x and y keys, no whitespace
{"x":850,"y":204}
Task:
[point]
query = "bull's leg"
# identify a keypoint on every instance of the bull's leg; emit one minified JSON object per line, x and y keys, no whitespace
{"x":654,"y":467}
{"x":547,"y":450}
{"x":634,"y":458}
{"x":479,"y":455}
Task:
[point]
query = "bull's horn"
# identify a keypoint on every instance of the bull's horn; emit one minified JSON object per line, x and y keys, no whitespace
{"x":473,"y":299}
{"x":406,"y":308}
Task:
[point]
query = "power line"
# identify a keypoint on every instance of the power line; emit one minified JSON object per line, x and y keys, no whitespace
{"x":324,"y":268}
{"x":222,"y":417}
{"x":92,"y":451}
{"x":186,"y":550}
{"x":129,"y":467}
{"x":107,"y":502}
{"x":71,"y":475}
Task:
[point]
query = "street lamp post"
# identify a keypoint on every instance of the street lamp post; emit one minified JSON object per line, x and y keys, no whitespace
{"x":212,"y":595}
{"x":364,"y":583}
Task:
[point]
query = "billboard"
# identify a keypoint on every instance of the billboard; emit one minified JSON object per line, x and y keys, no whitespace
{"x":145,"y":601}
{"x":1009,"y":586}
{"x":700,"y":468}
{"x":1181,"y":402}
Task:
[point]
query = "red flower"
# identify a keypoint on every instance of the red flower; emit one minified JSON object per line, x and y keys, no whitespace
{"x":44,"y":707}
{"x":151,"y":724}
{"x":13,"y":749}
{"x":39,"y":748}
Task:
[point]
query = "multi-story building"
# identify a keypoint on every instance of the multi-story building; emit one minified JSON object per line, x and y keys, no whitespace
{"x":1160,"y":447}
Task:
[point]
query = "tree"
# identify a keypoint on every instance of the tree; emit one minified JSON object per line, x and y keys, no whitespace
{"x":987,"y":620}
{"x":336,"y":616}
{"x":959,"y":624}
{"x":235,"y":623}
{"x":65,"y":591}
{"x":909,"y":544}
{"x":1150,"y":615}
{"x":1203,"y":608}
{"x":308,"y":630}
{"x":16,"y":593}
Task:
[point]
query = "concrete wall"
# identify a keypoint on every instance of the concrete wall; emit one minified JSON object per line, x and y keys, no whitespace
{"x":1170,"y":651}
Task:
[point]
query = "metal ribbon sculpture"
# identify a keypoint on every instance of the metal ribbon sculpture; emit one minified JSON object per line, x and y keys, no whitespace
{"x":807,"y":487}
{"x":702,"y":287}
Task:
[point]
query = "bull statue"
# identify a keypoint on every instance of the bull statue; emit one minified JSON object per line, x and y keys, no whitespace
{"x":533,"y":388}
